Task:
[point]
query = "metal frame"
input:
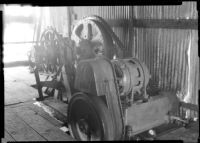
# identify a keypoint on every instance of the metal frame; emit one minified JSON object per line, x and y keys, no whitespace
{"x":154,"y":23}
{"x":50,"y":84}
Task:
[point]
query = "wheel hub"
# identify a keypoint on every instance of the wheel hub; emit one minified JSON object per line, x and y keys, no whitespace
{"x":83,"y":126}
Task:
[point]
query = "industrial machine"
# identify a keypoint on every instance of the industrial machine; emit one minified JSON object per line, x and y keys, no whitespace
{"x":46,"y":51}
{"x":107,"y":97}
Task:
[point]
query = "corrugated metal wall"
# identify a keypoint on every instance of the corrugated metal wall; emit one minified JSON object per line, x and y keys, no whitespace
{"x":164,"y":51}
{"x":57,"y":17}
{"x":188,"y":10}
{"x":108,"y":12}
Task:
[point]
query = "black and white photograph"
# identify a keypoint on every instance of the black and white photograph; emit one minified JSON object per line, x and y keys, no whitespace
{"x":100,"y":73}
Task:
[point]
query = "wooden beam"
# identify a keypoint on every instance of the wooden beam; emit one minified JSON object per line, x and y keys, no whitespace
{"x":156,"y":23}
{"x":39,"y":25}
{"x":21,"y":42}
{"x":69,"y":13}
{"x":15,"y":64}
{"x":189,"y":106}
{"x":130,"y":36}
{"x":10,"y":19}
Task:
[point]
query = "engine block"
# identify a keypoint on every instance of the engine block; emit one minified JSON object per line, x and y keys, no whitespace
{"x":123,"y":83}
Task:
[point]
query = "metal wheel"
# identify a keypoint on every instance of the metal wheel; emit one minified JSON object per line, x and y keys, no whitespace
{"x":49,"y":50}
{"x":108,"y":29}
{"x":89,"y":118}
{"x":50,"y":55}
{"x":92,"y":40}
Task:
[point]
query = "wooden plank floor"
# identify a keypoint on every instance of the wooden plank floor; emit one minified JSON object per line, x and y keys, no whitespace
{"x":17,"y":83}
{"x":24,"y":120}
{"x":188,"y":135}
{"x":7,"y":137}
{"x":28,"y":122}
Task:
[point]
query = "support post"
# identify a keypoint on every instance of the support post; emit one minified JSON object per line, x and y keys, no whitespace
{"x":39,"y":87}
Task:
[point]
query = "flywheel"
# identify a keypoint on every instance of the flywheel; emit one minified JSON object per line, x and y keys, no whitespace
{"x":91,"y":40}
{"x":89,"y":118}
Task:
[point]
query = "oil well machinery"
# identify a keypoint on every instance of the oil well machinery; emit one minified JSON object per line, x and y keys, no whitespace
{"x":107,"y":97}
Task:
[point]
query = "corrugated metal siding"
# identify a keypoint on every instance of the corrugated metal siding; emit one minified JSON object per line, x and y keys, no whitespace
{"x":186,"y":10}
{"x":106,"y":12}
{"x":56,"y":17}
{"x":59,"y":18}
{"x":122,"y":33}
{"x":194,"y":60}
{"x":164,"y":51}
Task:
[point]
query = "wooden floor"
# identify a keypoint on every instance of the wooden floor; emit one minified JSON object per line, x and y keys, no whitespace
{"x":17,"y":83}
{"x":189,"y":135}
{"x":28,"y":120}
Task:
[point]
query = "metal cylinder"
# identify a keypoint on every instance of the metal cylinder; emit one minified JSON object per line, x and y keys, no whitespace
{"x":131,"y":75}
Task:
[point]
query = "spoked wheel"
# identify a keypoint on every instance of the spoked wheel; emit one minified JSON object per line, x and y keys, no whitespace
{"x":91,"y":40}
{"x":108,"y":29}
{"x":89,"y":118}
{"x":50,"y":54}
{"x":50,"y":49}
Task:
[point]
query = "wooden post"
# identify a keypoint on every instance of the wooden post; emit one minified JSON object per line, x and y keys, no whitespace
{"x":39,"y":87}
{"x":130,"y":28}
{"x":39,"y":25}
{"x":69,"y":21}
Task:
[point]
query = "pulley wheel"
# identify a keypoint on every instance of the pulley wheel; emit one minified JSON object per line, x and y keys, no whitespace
{"x":89,"y":118}
{"x":92,"y":39}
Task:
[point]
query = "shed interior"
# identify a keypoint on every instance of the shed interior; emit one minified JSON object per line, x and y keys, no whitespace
{"x":164,"y":38}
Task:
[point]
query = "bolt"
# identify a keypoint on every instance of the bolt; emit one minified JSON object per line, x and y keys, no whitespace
{"x":152,"y":132}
